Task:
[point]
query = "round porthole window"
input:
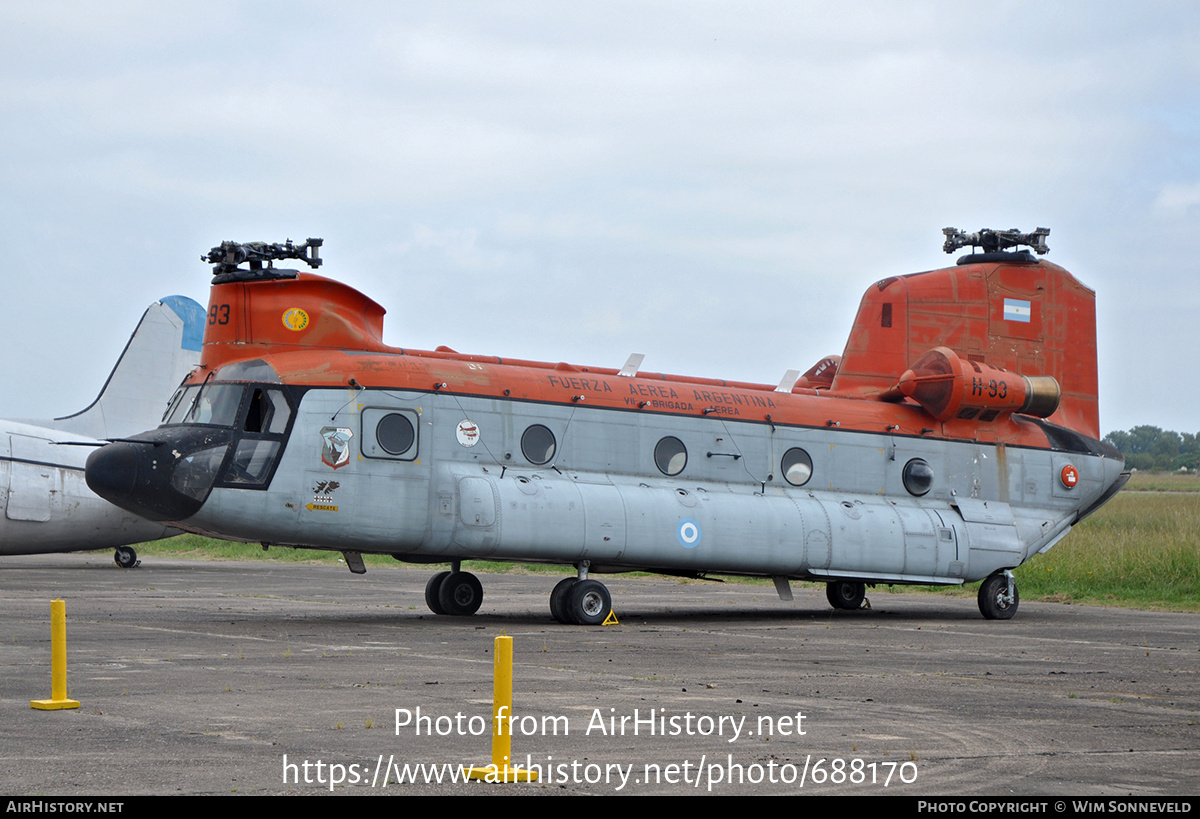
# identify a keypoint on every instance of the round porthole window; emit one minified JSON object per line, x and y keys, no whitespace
{"x":670,"y":456}
{"x":918,"y":477}
{"x":538,"y":444}
{"x":394,"y":434}
{"x":797,"y":467}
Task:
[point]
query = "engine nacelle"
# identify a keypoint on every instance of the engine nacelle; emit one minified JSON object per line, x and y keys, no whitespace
{"x":950,"y":386}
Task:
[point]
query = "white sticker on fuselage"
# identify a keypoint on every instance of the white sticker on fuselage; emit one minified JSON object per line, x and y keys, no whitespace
{"x":467,"y":432}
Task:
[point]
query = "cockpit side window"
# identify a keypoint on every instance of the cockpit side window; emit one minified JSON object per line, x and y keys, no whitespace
{"x":267,"y":412}
{"x":259,"y":411}
{"x":252,"y":462}
{"x":264,"y":422}
{"x":281,"y":413}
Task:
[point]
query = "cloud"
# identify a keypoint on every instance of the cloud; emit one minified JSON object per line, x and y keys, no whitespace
{"x":712,"y":184}
{"x":1178,"y":199}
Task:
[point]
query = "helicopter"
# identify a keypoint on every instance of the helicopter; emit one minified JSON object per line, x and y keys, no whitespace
{"x":955,"y":437}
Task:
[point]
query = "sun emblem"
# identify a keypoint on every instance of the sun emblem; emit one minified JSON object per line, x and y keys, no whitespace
{"x":295,"y":319}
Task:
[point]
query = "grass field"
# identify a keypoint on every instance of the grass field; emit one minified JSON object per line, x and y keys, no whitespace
{"x":1163,"y":482}
{"x":1141,"y":550}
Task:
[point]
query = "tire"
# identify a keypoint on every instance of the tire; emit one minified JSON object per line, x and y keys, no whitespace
{"x":589,"y":603}
{"x":845,"y":594}
{"x":125,"y":557}
{"x":431,"y":592}
{"x":460,"y":594}
{"x":993,"y":598}
{"x":558,"y":600}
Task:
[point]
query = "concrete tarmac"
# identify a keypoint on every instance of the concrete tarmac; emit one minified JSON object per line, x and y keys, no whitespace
{"x":205,"y":677}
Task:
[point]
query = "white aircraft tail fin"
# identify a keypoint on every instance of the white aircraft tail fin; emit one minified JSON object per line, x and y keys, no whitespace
{"x":163,"y":349}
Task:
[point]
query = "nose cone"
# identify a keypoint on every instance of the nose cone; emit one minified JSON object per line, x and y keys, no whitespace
{"x":164,"y":475}
{"x":112,"y":472}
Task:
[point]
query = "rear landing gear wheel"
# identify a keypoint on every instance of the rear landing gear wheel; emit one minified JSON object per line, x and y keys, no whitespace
{"x":461,"y":593}
{"x":431,"y":592}
{"x":125,"y":557}
{"x":845,"y":594}
{"x":994,"y":602}
{"x":558,"y":600}
{"x":588,"y":603}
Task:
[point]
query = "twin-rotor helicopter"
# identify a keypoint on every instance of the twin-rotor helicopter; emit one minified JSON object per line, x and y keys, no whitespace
{"x":954,"y":438}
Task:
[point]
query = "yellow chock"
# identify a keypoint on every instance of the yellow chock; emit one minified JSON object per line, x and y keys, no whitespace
{"x":500,"y":770}
{"x":58,"y":662}
{"x":611,"y":619}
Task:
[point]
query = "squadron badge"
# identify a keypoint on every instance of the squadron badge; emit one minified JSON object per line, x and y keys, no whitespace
{"x":335,"y":452}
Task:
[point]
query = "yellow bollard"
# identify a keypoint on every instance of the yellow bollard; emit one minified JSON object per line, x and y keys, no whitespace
{"x":58,"y":662}
{"x":500,"y":770}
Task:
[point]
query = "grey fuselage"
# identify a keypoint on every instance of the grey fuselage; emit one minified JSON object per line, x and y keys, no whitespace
{"x":601,"y":499}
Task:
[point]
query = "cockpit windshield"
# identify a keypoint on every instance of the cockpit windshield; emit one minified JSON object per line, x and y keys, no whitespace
{"x":266,"y":410}
{"x":256,"y":417}
{"x":212,"y":404}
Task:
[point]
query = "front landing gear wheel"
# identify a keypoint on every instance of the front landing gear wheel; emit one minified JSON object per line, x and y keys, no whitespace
{"x":431,"y":592}
{"x":461,"y":593}
{"x":558,"y":600}
{"x":994,"y":602}
{"x":845,"y":594}
{"x":125,"y":557}
{"x":588,"y":603}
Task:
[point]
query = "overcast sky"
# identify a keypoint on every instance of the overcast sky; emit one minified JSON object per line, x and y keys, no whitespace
{"x":711,"y":184}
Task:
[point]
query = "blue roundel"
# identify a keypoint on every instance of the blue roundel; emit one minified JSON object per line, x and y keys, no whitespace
{"x":688,"y":533}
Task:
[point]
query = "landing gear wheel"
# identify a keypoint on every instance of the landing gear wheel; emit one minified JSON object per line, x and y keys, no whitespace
{"x":125,"y":557}
{"x":993,"y":598}
{"x":558,"y":600}
{"x":461,"y":593}
{"x":431,"y":592}
{"x":588,"y":603}
{"x":845,"y":594}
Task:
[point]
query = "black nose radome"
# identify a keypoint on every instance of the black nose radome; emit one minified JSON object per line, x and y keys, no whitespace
{"x":163,"y":475}
{"x":112,"y":472}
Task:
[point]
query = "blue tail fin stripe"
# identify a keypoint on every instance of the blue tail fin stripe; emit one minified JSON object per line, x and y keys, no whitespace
{"x":193,"y":319}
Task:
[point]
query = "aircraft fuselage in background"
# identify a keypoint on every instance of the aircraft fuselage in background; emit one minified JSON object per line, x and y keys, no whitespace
{"x":48,"y":506}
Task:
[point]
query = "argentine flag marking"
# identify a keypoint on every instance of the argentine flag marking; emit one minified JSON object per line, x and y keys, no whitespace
{"x":1017,"y":310}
